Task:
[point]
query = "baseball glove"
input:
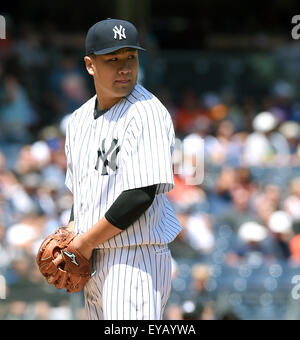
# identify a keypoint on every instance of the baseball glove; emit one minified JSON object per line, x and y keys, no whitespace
{"x":61,"y":264}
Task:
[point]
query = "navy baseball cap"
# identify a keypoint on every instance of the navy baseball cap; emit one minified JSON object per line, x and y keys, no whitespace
{"x":110,"y":35}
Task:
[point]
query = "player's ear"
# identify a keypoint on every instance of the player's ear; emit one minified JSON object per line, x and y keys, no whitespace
{"x":89,"y":64}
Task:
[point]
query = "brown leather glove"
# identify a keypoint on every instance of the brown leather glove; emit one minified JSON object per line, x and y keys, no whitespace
{"x":61,"y":264}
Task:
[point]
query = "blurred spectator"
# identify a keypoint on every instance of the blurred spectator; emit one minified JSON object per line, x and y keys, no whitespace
{"x":16,"y":311}
{"x":272,"y":194}
{"x":282,"y":95}
{"x":27,"y":161}
{"x":227,"y":150}
{"x":199,"y":233}
{"x":292,"y":203}
{"x":31,"y":183}
{"x":15,"y":195}
{"x":173,"y":312}
{"x":193,"y":152}
{"x":187,"y":113}
{"x":201,"y":301}
{"x":216,"y":110}
{"x":17,"y":114}
{"x":25,"y":234}
{"x":197,"y":303}
{"x":237,"y":113}
{"x":28,"y":48}
{"x":6,"y":210}
{"x":266,"y":202}
{"x":243,"y":178}
{"x":250,"y":245}
{"x":280,"y":225}
{"x":291,"y":131}
{"x":295,"y":249}
{"x":3,"y":167}
{"x":186,"y":197}
{"x":40,"y":311}
{"x":240,"y":211}
{"x":219,"y":195}
{"x":7,"y":253}
{"x":264,"y":211}
{"x":265,"y":145}
{"x":68,"y":87}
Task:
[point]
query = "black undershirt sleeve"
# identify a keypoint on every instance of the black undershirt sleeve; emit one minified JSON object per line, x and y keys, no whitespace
{"x":130,"y":205}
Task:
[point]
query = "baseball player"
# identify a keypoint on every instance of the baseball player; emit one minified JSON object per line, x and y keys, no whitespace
{"x":119,"y":166}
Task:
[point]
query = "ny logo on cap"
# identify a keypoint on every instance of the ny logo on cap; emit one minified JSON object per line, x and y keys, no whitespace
{"x":120,"y":32}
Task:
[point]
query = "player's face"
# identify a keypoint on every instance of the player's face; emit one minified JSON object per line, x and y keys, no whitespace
{"x":115,"y":74}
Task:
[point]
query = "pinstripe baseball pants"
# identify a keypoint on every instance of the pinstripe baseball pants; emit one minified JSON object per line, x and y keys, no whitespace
{"x":130,"y":283}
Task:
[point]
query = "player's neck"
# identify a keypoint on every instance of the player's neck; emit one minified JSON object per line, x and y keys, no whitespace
{"x":102,"y":105}
{"x":106,"y":104}
{"x":105,"y":101}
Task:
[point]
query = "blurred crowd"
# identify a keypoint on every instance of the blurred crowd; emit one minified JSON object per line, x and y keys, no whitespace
{"x":245,"y":211}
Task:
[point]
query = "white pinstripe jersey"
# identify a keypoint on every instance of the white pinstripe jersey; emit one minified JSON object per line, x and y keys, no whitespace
{"x":130,"y":146}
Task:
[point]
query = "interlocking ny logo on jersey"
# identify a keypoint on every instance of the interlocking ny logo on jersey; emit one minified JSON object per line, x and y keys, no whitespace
{"x":119,"y":32}
{"x":103,"y":155}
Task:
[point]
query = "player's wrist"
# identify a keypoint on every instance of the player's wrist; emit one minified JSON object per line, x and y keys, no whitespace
{"x":82,"y":244}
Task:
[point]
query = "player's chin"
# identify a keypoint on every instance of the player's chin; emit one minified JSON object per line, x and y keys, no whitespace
{"x":124,"y":88}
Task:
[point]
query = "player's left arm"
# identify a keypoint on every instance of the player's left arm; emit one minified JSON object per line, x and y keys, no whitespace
{"x":130,"y":205}
{"x":126,"y":209}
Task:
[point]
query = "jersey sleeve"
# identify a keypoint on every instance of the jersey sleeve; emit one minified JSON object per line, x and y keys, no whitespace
{"x":69,"y":172}
{"x":147,"y":152}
